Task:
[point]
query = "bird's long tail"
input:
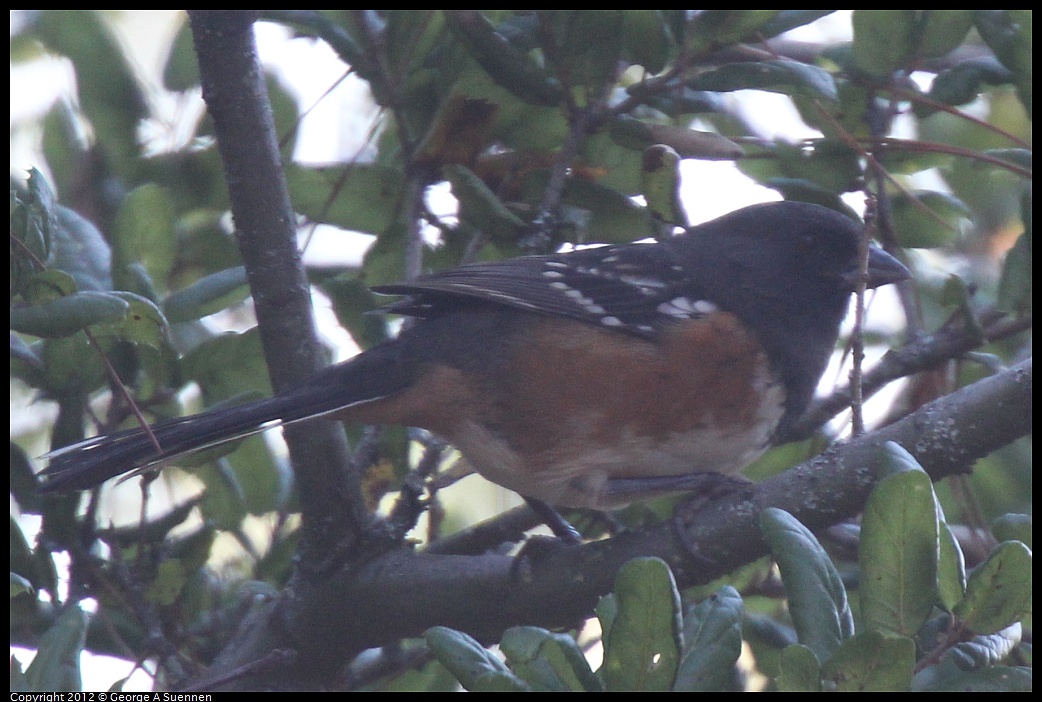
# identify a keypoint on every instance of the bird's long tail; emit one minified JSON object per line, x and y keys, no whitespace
{"x":89,"y":463}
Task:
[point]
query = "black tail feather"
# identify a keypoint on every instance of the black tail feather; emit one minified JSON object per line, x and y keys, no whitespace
{"x":89,"y":463}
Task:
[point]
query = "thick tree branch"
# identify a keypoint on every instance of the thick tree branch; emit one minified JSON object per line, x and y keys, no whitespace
{"x":265,"y":224}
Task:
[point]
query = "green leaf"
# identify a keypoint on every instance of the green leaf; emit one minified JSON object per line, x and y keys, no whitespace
{"x":829,"y":168}
{"x":48,"y":286}
{"x":67,"y":315}
{"x":109,"y":92}
{"x":962,"y":83}
{"x":927,"y":219}
{"x":884,"y":40}
{"x":71,"y":364}
{"x":647,"y":40}
{"x":942,"y":31}
{"x":717,"y":28}
{"x":871,"y":662}
{"x":548,"y":662}
{"x":480,"y":208}
{"x":1016,"y":282}
{"x":475,"y":668}
{"x":998,"y":592}
{"x":798,"y":670}
{"x":41,"y":213}
{"x":817,"y":599}
{"x":712,"y":643}
{"x":899,"y":551}
{"x":1008,"y":34}
{"x":591,"y":65}
{"x":56,"y":667}
{"x":353,"y":304}
{"x":1013,"y":527}
{"x":81,"y":251}
{"x":507,"y":66}
{"x":642,"y":651}
{"x":613,"y":216}
{"x":983,"y":651}
{"x":1015,"y":157}
{"x":776,"y":76}
{"x":206,"y":296}
{"x":359,"y":197}
{"x":143,"y":232}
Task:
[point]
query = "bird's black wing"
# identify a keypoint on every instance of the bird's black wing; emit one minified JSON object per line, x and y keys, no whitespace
{"x":633,"y":288}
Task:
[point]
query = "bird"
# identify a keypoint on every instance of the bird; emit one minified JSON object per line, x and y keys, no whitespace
{"x":591,"y":378}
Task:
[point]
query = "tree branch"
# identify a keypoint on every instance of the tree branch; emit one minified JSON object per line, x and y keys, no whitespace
{"x":556,"y":586}
{"x":265,"y":226}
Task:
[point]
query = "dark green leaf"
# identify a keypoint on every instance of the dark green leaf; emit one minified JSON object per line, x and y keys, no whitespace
{"x":475,"y":668}
{"x":507,"y":66}
{"x":884,"y":40}
{"x":642,"y":651}
{"x":590,"y":65}
{"x":1013,"y":527}
{"x":1008,"y":34}
{"x":647,"y":40}
{"x":927,"y":219}
{"x":613,"y":216}
{"x":799,"y":670}
{"x":998,"y":592}
{"x":143,"y":232}
{"x":983,"y":651}
{"x":717,"y":28}
{"x":81,"y":251}
{"x":206,"y":296}
{"x":776,"y":76}
{"x":170,"y":580}
{"x":56,"y":667}
{"x":871,"y":662}
{"x":899,"y":550}
{"x":951,"y":565}
{"x":712,"y":643}
{"x":1016,"y":284}
{"x":109,"y":92}
{"x":67,"y":315}
{"x":362,"y":198}
{"x":943,"y":31}
{"x":817,"y":599}
{"x":962,"y":83}
{"x":548,"y":662}
{"x":479,"y":207}
{"x":143,"y":323}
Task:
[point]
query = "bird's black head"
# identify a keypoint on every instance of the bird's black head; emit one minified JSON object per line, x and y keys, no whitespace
{"x":787,"y":269}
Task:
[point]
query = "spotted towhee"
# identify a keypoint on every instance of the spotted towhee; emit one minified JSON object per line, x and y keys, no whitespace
{"x":587,"y":379}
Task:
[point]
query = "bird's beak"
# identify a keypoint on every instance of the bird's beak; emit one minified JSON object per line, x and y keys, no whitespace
{"x":884,"y":269}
